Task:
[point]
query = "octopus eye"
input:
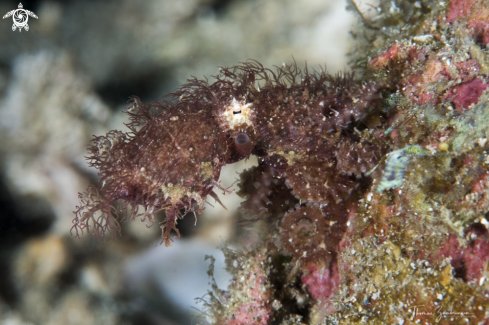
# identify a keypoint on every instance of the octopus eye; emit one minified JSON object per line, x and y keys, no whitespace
{"x":243,"y":143}
{"x":241,"y":139}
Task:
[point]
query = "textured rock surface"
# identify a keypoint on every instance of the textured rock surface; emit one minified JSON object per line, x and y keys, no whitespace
{"x":417,"y":251}
{"x":68,"y":78}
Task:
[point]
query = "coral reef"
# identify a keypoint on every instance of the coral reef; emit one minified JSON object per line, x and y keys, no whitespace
{"x":416,"y":251}
{"x":339,"y":241}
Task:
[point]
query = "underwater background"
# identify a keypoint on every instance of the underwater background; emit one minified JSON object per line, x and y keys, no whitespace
{"x":352,"y":159}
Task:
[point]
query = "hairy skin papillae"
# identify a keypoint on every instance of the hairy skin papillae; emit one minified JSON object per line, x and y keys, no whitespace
{"x":307,"y":128}
{"x":337,"y":244}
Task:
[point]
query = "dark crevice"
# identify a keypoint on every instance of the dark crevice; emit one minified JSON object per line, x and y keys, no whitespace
{"x":20,"y":219}
{"x":220,"y":6}
{"x":283,"y":289}
{"x":460,"y":271}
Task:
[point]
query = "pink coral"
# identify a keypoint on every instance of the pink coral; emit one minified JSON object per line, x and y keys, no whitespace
{"x":460,"y":9}
{"x":467,"y":93}
{"x":258,"y":310}
{"x":468,"y":261}
{"x":250,"y":314}
{"x":386,"y":57}
{"x":479,"y":23}
{"x":321,"y":282}
{"x":477,"y":15}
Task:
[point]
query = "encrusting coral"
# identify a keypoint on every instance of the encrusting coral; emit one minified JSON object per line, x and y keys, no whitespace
{"x":340,"y":241}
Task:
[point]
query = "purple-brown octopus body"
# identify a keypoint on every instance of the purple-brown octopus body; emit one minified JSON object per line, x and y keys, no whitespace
{"x":297,"y":123}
